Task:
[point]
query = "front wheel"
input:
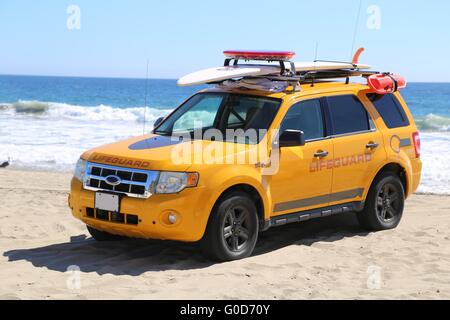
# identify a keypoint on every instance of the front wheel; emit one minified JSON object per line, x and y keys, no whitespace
{"x":232,"y":231}
{"x":384,"y":205}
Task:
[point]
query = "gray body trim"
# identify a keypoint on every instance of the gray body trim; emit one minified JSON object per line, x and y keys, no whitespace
{"x":333,"y":197}
{"x":303,"y":216}
{"x":405,"y":143}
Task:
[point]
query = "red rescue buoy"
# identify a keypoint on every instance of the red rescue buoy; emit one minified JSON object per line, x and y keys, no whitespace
{"x":384,"y":83}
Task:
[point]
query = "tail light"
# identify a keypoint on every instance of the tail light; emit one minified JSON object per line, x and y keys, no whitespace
{"x":416,"y":138}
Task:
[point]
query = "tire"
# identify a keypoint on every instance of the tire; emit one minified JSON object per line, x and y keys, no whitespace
{"x":101,"y":236}
{"x":384,"y":204}
{"x":232,"y":230}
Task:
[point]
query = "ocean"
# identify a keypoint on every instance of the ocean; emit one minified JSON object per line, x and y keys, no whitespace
{"x":47,"y":122}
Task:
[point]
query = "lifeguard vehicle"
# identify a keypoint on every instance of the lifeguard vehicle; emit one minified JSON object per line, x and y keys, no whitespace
{"x":332,"y":146}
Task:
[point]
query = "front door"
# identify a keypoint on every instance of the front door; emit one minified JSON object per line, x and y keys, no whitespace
{"x":302,"y":183}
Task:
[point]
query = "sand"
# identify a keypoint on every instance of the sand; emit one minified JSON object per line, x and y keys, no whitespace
{"x":330,"y":258}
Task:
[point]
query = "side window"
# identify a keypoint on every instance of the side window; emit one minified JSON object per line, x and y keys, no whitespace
{"x":348,"y":115}
{"x":305,"y":116}
{"x":390,"y":110}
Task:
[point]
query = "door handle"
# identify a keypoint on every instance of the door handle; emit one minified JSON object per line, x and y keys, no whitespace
{"x":321,"y":154}
{"x":372,"y":145}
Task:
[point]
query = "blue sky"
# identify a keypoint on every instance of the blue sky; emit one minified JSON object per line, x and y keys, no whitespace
{"x":117,"y":37}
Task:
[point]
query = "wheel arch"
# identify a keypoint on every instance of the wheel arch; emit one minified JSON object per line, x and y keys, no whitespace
{"x":252,"y":192}
{"x":398,"y":170}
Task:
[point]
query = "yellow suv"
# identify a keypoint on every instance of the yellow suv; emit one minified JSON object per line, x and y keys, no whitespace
{"x":327,"y":149}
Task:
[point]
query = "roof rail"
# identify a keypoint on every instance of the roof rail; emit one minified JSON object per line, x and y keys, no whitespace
{"x":295,"y":76}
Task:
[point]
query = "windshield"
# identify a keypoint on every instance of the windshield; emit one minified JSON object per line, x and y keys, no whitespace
{"x":224,"y":112}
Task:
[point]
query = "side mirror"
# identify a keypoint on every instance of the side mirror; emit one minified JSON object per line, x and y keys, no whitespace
{"x":158,"y":122}
{"x":292,"y":138}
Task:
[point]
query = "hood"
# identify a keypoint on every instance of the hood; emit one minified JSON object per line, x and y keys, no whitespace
{"x":160,"y":153}
{"x":149,"y":152}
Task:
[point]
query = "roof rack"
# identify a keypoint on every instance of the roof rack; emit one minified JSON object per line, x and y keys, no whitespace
{"x":290,"y":74}
{"x":296,"y":80}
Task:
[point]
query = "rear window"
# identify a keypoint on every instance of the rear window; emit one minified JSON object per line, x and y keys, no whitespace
{"x":390,"y":110}
{"x":348,"y":115}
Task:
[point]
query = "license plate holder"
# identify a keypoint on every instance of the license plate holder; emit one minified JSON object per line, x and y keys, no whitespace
{"x":107,"y":202}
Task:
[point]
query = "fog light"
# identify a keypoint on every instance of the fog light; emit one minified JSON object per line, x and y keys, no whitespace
{"x":172,"y":218}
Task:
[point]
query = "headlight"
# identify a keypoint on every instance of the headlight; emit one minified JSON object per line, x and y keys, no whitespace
{"x":175,"y":182}
{"x":80,"y":170}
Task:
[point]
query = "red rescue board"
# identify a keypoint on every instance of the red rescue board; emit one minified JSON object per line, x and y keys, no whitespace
{"x":260,"y":55}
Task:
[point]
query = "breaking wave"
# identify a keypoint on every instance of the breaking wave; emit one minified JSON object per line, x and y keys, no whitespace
{"x":82,"y":113}
{"x":32,"y":107}
{"x":433,"y":122}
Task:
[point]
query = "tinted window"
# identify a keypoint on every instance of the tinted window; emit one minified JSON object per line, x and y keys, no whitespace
{"x":348,"y":115}
{"x":305,"y":116}
{"x":390,"y":110}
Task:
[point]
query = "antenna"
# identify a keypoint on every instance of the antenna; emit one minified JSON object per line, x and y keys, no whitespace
{"x":146,"y":95}
{"x":316,"y":51}
{"x":315,"y":60}
{"x":355,"y":32}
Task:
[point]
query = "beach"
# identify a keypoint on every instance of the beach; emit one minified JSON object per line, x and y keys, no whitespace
{"x":330,"y":258}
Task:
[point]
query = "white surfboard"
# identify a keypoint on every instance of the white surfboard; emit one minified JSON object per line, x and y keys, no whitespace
{"x":241,"y":71}
{"x":226,"y":73}
{"x":326,"y":66}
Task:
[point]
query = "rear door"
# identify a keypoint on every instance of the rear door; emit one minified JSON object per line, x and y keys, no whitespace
{"x":358,"y":148}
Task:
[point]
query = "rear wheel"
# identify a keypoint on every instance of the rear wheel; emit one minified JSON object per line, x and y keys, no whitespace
{"x":103,"y":236}
{"x":232,"y":231}
{"x":384,"y":205}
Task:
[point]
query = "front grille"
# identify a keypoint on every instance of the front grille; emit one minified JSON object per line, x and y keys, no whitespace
{"x":114,"y":217}
{"x":133,"y":182}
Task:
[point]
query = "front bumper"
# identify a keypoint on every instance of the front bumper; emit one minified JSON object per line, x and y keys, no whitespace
{"x":152,"y":214}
